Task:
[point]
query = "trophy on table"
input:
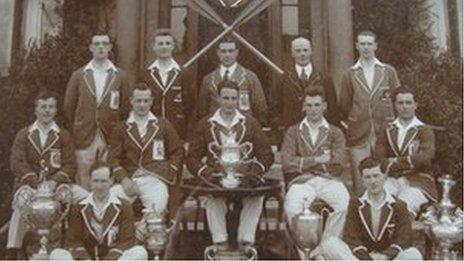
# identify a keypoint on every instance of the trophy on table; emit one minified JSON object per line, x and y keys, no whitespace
{"x":158,"y":232}
{"x":444,"y":223}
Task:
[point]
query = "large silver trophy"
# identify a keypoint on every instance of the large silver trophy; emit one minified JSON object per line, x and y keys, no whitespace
{"x":444,"y":223}
{"x":307,"y":230}
{"x":157,"y":233}
{"x":231,"y":155}
{"x":44,"y":210}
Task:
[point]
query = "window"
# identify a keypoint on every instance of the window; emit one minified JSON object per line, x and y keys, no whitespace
{"x":290,"y":17}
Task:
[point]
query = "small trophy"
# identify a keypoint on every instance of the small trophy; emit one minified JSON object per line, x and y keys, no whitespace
{"x":157,"y":235}
{"x":444,"y":223}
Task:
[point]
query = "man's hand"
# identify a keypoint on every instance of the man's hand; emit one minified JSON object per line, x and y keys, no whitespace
{"x":130,"y":187}
{"x":324,"y":158}
{"x":379,"y":256}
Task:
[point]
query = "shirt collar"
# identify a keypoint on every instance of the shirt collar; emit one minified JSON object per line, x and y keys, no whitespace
{"x":131,"y":118}
{"x":305,"y":122}
{"x":111,"y":200}
{"x":414,"y":123}
{"x":231,"y":69}
{"x":109,"y":65}
{"x":218,"y":119}
{"x":388,"y":199}
{"x":308,"y":68}
{"x":35,"y":126}
{"x":172,"y":65}
{"x":376,"y":62}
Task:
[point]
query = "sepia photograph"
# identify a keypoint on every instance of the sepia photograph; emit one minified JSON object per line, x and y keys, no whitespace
{"x":231,"y":129}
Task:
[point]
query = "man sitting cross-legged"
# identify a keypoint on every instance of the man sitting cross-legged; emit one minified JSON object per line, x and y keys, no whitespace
{"x":312,"y":156}
{"x":100,"y":226}
{"x":378,"y":225}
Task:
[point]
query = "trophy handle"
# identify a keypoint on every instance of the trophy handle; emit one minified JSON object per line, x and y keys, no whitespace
{"x":67,"y":192}
{"x":210,"y":252}
{"x":246,"y":148}
{"x":211,"y":147}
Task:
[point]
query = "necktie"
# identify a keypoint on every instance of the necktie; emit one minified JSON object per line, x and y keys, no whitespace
{"x":226,"y":76}
{"x":303,"y":77}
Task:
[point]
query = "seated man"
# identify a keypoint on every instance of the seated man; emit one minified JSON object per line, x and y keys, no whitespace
{"x":145,"y":153}
{"x":312,"y":157}
{"x":100,"y":226}
{"x":41,"y":152}
{"x":408,"y":146}
{"x":227,"y":124}
{"x":378,"y":225}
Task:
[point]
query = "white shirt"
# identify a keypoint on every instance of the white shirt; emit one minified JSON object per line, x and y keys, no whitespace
{"x":100,"y":75}
{"x":43,"y":133}
{"x":376,"y":210}
{"x":308,"y":70}
{"x":100,"y":211}
{"x":219,"y":120}
{"x":368,"y":70}
{"x":141,"y":126}
{"x":403,"y":130}
{"x":231,"y":69}
{"x":314,"y":132}
{"x":164,"y":70}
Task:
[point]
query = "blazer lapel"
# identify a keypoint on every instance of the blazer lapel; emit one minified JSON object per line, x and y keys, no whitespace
{"x":154,"y":73}
{"x":366,"y":218}
{"x":385,"y":217}
{"x":52,"y":138}
{"x":304,"y":133}
{"x":238,"y":76}
{"x":172,"y":76}
{"x":109,"y":81}
{"x":321,"y":137}
{"x":379,"y":74}
{"x":216,"y":79}
{"x":134,"y":135}
{"x":90,"y":81}
{"x":410,"y":136}
{"x":34,"y":139}
{"x":87,"y":214}
{"x":152,"y":130}
{"x":361,"y":79}
{"x":111,"y":214}
{"x":392,"y":136}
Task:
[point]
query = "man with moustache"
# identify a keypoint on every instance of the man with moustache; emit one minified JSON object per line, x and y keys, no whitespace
{"x":171,"y":86}
{"x":42,"y":152}
{"x":251,"y":96}
{"x":287,"y":97}
{"x":407,"y":146}
{"x":365,"y":101}
{"x":96,"y":96}
{"x":228,"y":125}
{"x":378,"y":225}
{"x":313,"y":153}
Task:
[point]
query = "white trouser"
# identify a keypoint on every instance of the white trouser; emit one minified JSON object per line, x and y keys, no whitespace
{"x":334,"y":248}
{"x":18,"y":226}
{"x":86,"y":157}
{"x":153,"y":192}
{"x":134,"y":253}
{"x":216,"y":210}
{"x":400,"y":188}
{"x":331,"y":191}
{"x":357,"y":154}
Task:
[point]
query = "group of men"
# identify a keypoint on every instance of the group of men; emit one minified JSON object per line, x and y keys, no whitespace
{"x":127,"y":142}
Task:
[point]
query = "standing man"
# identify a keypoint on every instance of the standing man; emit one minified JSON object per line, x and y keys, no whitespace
{"x":101,"y":227}
{"x":378,"y":225}
{"x":172,"y":88}
{"x":251,"y":97}
{"x":41,"y":152}
{"x":365,"y":101}
{"x":229,"y":125}
{"x":312,"y":157}
{"x":145,"y":153}
{"x":287,"y":98}
{"x":96,"y":97}
{"x":408,"y":147}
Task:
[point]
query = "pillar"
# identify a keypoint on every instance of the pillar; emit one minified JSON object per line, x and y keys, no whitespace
{"x":7,"y":8}
{"x":439,"y":26}
{"x":127,"y":38}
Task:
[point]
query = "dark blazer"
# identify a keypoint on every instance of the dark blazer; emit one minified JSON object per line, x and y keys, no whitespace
{"x":174,"y":101}
{"x":84,"y":115}
{"x":129,"y":152}
{"x":287,"y":97}
{"x":414,"y":159}
{"x":394,"y":229}
{"x":117,"y":226}
{"x":27,"y":156}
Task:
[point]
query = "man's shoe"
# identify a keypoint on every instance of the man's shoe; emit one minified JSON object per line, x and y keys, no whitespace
{"x":11,"y":254}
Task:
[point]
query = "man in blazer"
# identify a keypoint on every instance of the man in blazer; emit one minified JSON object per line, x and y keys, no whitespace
{"x":42,"y":152}
{"x":145,"y":153}
{"x":172,"y":87}
{"x":365,"y":101}
{"x":228,"y":124}
{"x":312,"y":158}
{"x":251,"y":96}
{"x":378,"y":225}
{"x":101,"y":227}
{"x":287,"y":97}
{"x":96,"y":97}
{"x":408,"y":147}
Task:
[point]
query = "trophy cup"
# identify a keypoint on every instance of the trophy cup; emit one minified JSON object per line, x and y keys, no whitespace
{"x":444,"y":223}
{"x":157,"y":234}
{"x":307,"y":229}
{"x":214,"y":253}
{"x":43,"y":212}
